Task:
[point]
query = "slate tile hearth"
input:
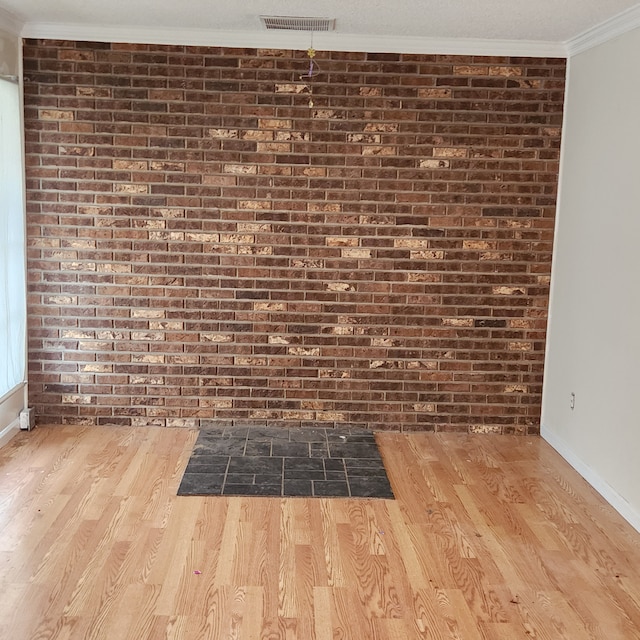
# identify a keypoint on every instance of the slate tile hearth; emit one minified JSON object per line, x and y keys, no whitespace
{"x":258,"y":461}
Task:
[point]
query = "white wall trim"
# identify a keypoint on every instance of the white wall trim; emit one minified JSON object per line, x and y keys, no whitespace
{"x":607,"y":30}
{"x":294,"y":40}
{"x":11,"y":404}
{"x":626,"y":510}
{"x":556,"y":241}
{"x":10,"y":23}
{"x":9,"y":432}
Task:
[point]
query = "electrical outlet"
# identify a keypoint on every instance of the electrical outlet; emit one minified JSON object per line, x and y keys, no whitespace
{"x":572,"y":400}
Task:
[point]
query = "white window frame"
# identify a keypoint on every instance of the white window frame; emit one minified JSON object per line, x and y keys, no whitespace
{"x":13,"y":317}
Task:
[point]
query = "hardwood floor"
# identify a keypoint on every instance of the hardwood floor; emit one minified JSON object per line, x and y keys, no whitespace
{"x":490,"y":537}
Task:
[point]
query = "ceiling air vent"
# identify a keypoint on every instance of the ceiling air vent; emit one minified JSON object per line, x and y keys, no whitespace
{"x":293,"y":23}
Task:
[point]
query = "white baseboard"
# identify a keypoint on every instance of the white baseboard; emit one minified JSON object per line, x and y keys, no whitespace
{"x":626,"y":510}
{"x":9,"y":432}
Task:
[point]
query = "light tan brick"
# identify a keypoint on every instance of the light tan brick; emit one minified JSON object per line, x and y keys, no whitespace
{"x":506,"y":71}
{"x":216,"y":337}
{"x":56,"y":114}
{"x":450,"y":152}
{"x":508,"y":291}
{"x":433,"y":163}
{"x":240,"y":168}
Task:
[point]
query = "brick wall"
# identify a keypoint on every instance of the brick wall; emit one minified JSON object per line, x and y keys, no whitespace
{"x":212,"y":238}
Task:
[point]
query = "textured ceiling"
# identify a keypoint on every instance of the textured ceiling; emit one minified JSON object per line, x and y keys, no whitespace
{"x":541,"y":21}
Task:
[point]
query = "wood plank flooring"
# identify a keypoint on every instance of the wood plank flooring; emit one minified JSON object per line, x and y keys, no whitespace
{"x":490,"y":537}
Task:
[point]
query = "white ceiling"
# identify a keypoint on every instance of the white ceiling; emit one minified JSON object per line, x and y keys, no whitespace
{"x":395,"y":25}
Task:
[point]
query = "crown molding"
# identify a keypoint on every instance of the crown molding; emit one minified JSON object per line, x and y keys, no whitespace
{"x":10,"y":23}
{"x":295,"y":40}
{"x":612,"y":28}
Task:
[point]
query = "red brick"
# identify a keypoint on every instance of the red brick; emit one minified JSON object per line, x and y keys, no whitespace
{"x":381,"y":259}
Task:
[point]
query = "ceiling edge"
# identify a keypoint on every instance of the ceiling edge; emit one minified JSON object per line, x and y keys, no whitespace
{"x":295,"y":40}
{"x":608,"y":30}
{"x":11,"y":23}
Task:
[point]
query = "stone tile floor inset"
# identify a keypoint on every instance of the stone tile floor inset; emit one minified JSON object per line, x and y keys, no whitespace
{"x":280,"y":462}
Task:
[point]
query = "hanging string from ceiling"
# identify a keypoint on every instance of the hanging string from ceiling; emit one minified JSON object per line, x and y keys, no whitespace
{"x":313,"y":70}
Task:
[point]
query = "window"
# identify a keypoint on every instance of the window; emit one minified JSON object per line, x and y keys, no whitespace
{"x":12,"y":242}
